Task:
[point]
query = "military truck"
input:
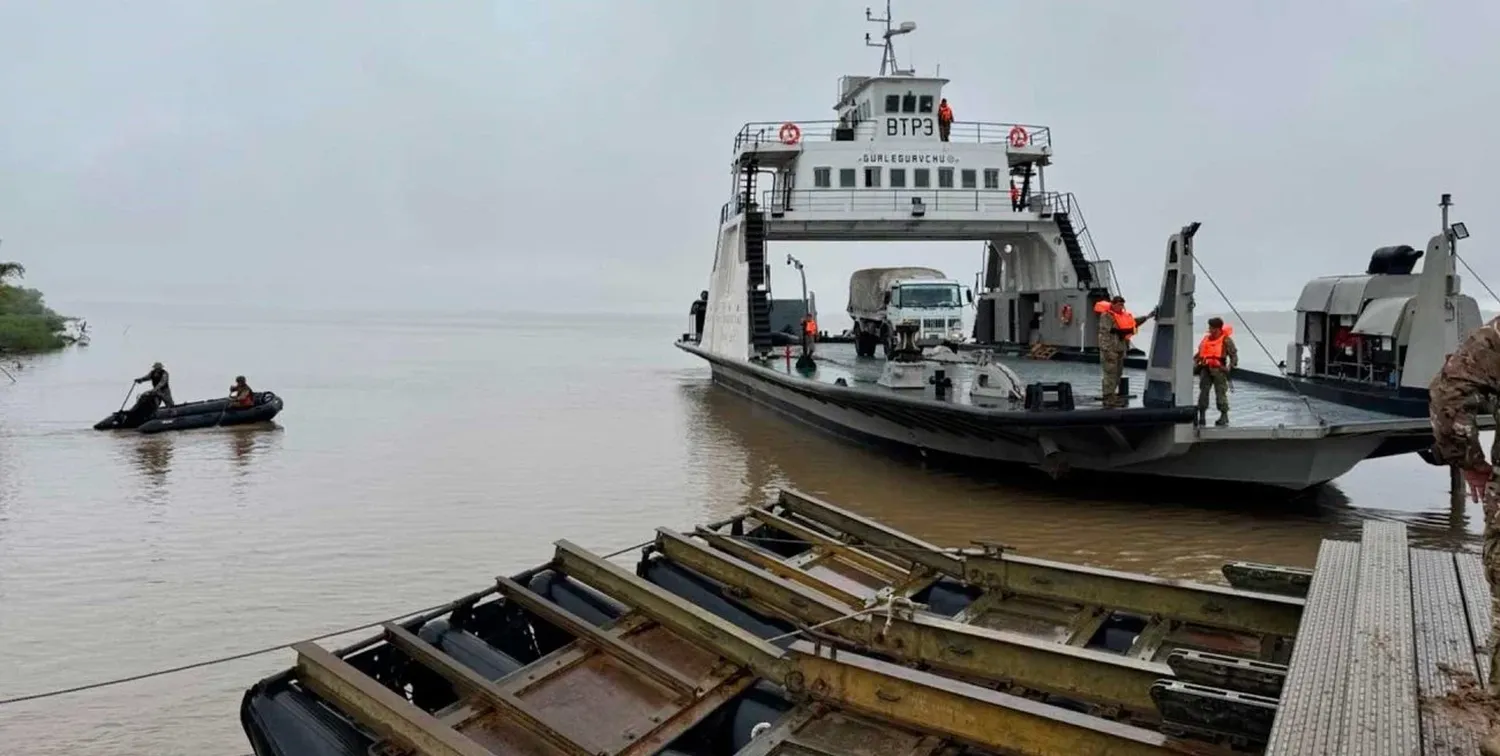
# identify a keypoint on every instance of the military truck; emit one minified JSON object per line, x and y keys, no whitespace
{"x":879,"y":298}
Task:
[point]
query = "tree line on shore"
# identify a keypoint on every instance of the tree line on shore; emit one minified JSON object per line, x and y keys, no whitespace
{"x":27,"y":324}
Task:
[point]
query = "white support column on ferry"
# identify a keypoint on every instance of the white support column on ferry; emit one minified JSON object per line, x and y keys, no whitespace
{"x":1169,"y":364}
{"x":726,"y":327}
{"x":1434,"y":330}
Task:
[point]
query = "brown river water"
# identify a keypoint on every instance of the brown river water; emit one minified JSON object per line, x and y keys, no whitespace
{"x":419,"y":455}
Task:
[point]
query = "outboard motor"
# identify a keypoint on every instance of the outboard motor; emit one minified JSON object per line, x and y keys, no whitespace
{"x":143,"y":409}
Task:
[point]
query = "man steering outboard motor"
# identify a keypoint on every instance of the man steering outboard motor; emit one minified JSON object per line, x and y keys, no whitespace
{"x":161,"y":388}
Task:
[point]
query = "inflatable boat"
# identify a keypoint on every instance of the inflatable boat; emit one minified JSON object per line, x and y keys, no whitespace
{"x":146,"y":417}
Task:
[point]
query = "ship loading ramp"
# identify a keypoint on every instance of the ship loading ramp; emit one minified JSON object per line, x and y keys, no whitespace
{"x":798,"y":627}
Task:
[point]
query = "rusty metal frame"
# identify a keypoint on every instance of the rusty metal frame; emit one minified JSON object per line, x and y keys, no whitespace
{"x":934,"y":704}
{"x":512,"y":708}
{"x":868,"y":562}
{"x":1210,"y":605}
{"x":584,"y":632}
{"x":728,"y":640}
{"x":920,"y":701}
{"x":786,"y":738}
{"x":976,"y":652}
{"x":378,"y":707}
{"x":774,"y":565}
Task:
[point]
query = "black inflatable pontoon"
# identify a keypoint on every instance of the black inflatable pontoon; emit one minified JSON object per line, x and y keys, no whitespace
{"x":146,"y":417}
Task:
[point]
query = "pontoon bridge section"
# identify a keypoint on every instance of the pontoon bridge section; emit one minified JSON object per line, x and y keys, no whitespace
{"x":798,"y":627}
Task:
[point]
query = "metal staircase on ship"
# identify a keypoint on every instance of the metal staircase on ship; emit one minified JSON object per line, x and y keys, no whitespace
{"x":758,"y":292}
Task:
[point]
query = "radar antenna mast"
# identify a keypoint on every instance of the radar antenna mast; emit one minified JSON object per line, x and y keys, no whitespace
{"x":888,"y":57}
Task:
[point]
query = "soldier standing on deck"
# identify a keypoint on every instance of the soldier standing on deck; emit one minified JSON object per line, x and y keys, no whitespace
{"x":1116,"y":327}
{"x":1215,"y":363}
{"x":1470,"y":378}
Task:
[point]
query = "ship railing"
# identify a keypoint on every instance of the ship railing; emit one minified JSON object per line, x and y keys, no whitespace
{"x":777,"y":201}
{"x":1066,"y":202}
{"x":971,"y":132}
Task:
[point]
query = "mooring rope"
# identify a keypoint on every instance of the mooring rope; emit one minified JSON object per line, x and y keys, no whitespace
{"x":248,"y":654}
{"x":1280,"y":368}
{"x":1477,"y":278}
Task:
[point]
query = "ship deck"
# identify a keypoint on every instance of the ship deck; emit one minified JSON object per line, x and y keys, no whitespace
{"x":1252,"y":405}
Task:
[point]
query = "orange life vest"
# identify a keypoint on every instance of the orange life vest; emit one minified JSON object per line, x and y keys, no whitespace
{"x":810,"y":326}
{"x":1123,"y":319}
{"x":945,"y":113}
{"x":1211,"y":350}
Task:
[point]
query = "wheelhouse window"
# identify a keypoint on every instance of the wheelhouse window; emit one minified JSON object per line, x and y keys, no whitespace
{"x":970,"y":179}
{"x":921,"y":178}
{"x":992,"y":178}
{"x":924,"y":104}
{"x":872,"y":177}
{"x":945,"y":178}
{"x":848,"y":178}
{"x":898,"y":178}
{"x":893,"y":103}
{"x":909,"y":103}
{"x":822,"y":178}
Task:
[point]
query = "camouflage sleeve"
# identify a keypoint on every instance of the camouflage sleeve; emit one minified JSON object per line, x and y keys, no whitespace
{"x":1471,"y":372}
{"x":1231,"y":354}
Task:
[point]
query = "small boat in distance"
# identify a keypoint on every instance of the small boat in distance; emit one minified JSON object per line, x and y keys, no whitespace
{"x":145,"y":417}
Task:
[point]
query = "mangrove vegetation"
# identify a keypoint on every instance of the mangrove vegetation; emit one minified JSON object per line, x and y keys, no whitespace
{"x":26,"y":323}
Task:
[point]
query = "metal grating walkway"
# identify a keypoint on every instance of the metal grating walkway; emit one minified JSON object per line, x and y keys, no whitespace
{"x":1386,"y":626}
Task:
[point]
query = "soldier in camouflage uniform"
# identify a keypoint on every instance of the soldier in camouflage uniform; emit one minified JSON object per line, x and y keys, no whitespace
{"x":1116,"y":327}
{"x":1465,"y":386}
{"x":1214,"y":363}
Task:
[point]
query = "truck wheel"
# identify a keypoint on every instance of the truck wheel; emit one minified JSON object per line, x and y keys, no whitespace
{"x":886,"y":343}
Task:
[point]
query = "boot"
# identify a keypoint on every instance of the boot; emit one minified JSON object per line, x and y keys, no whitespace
{"x":1223,"y":419}
{"x":1202,"y":418}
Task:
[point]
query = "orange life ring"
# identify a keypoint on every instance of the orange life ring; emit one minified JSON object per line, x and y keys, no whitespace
{"x":1066,"y":316}
{"x":790,"y":133}
{"x":1019,"y":137}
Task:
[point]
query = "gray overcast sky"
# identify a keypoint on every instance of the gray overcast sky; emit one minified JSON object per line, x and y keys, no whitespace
{"x":562,"y":154}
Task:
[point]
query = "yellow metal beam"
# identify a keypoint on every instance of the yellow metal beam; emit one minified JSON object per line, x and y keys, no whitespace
{"x":974,"y":652}
{"x":378,"y":707}
{"x":774,"y":565}
{"x":511,"y":707}
{"x":681,"y":616}
{"x":1211,"y":605}
{"x":930,"y":703}
{"x":580,"y":629}
{"x":920,"y":701}
{"x":875,"y":565}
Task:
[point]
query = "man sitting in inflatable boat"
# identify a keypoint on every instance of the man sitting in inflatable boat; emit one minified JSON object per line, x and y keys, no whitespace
{"x":240,"y":394}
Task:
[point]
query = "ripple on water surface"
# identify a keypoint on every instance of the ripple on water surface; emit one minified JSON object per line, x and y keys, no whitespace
{"x":420,"y":457}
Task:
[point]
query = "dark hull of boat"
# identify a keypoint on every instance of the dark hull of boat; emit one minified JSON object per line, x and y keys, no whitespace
{"x":266,"y":408}
{"x":203,"y":414}
{"x":1402,"y":401}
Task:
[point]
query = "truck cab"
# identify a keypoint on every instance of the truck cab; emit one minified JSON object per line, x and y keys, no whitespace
{"x":936,"y":306}
{"x":882,"y":298}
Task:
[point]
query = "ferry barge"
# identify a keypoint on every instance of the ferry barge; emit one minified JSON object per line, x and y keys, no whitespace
{"x":881,"y":172}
